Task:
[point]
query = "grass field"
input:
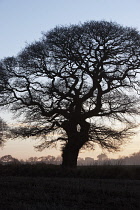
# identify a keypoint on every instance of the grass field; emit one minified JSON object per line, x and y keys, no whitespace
{"x":26,"y":193}
{"x":131,"y":172}
{"x":41,"y":187}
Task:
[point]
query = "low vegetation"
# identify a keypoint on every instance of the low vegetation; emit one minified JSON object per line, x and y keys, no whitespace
{"x":94,"y":172}
{"x":28,"y":193}
{"x":40,"y":187}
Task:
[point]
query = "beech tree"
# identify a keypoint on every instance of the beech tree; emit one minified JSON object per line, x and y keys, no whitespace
{"x":79,"y":85}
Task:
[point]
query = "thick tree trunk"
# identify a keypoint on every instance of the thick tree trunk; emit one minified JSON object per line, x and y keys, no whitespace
{"x":76,"y":139}
{"x":70,"y":156}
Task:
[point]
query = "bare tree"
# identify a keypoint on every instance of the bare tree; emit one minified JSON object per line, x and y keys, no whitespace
{"x":3,"y":131}
{"x":78,"y":85}
{"x":8,"y":159}
{"x":102,"y":156}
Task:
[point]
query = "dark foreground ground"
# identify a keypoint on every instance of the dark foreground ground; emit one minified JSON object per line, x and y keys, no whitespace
{"x":70,"y":189}
{"x":26,"y":193}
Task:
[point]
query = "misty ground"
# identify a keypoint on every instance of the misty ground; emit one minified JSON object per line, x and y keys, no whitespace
{"x":42,"y":187}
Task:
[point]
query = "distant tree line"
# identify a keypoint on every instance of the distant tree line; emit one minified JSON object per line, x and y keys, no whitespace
{"x":133,"y":159}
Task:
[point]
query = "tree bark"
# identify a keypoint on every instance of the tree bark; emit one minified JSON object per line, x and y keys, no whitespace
{"x":70,"y":156}
{"x":76,"y":139}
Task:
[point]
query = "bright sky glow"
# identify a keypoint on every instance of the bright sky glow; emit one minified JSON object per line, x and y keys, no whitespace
{"x":22,"y":21}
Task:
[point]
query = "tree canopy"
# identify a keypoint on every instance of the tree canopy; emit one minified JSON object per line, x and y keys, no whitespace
{"x":80,"y":81}
{"x":3,"y":129}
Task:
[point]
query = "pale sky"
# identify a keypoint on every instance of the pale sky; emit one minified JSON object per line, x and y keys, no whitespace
{"x":23,"y":21}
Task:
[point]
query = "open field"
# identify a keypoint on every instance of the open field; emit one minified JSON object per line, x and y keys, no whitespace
{"x":131,"y":172}
{"x":44,"y":187}
{"x":40,"y":193}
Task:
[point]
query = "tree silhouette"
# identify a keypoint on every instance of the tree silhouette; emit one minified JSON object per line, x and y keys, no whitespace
{"x":76,"y":85}
{"x":8,"y":159}
{"x":3,"y":77}
{"x":102,"y":156}
{"x":3,"y":129}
